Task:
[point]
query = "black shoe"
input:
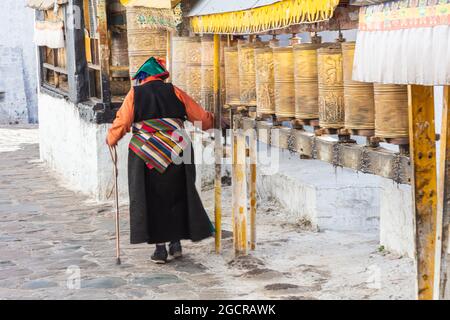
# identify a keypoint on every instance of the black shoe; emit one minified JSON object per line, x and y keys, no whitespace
{"x":160,"y":254}
{"x":175,"y":249}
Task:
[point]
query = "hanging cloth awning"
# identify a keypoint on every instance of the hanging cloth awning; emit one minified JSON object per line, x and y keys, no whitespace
{"x":256,"y":16}
{"x":404,"y":42}
{"x":49,"y":34}
{"x":44,"y":4}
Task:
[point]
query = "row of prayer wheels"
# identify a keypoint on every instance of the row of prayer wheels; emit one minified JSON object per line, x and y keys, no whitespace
{"x":193,"y":68}
{"x":311,"y":81}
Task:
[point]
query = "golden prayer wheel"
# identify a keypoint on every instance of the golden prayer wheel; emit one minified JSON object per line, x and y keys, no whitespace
{"x":232,"y":76}
{"x":331,"y":86}
{"x":207,"y":73}
{"x":193,"y":68}
{"x":284,"y":89}
{"x":179,"y":76}
{"x":306,"y":81}
{"x":143,"y":41}
{"x":264,"y":81}
{"x":247,"y":76}
{"x":358,"y":96}
{"x":119,"y":55}
{"x":391,"y":111}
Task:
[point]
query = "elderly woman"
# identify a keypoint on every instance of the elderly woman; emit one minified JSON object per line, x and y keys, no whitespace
{"x":164,"y":203}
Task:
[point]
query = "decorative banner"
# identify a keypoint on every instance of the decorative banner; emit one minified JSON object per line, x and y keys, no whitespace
{"x":404,"y":42}
{"x":404,"y":14}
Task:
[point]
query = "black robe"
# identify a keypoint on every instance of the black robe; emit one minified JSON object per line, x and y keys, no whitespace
{"x":163,"y":207}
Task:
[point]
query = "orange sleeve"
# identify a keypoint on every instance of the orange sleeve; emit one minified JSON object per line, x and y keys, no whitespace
{"x":124,"y":120}
{"x":195,"y":113}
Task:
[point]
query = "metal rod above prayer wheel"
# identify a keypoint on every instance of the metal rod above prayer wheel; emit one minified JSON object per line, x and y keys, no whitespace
{"x":284,"y":91}
{"x":306,"y":81}
{"x":358,"y":96}
{"x":331,"y":86}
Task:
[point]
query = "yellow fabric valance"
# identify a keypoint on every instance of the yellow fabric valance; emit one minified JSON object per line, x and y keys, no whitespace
{"x":261,"y":19}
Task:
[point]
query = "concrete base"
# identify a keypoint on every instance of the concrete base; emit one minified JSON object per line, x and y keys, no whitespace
{"x":396,"y":218}
{"x":76,"y":150}
{"x":328,"y":197}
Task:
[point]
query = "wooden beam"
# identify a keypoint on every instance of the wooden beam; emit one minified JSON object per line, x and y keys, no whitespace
{"x":253,"y":155}
{"x":240,"y":195}
{"x":218,"y":146}
{"x":77,"y":72}
{"x":443,"y":227}
{"x":424,"y":186}
{"x":377,"y":161}
{"x":104,"y":51}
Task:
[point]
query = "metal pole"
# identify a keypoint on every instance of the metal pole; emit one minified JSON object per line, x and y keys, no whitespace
{"x":218,"y":146}
{"x":422,"y":138}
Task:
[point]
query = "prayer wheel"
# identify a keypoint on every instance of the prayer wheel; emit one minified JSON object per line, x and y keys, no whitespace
{"x":284,"y":89}
{"x":232,"y":76}
{"x":247,"y":75}
{"x":391,"y":111}
{"x":358,"y":96}
{"x":264,"y":81}
{"x":193,"y":68}
{"x":331,"y":86}
{"x":306,"y":81}
{"x":144,"y":41}
{"x":207,"y":73}
{"x":179,"y":77}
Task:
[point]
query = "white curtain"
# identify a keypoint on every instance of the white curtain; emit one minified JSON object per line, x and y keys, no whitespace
{"x":405,"y":56}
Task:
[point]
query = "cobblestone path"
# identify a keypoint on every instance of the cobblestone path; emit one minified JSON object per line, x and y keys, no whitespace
{"x":49,"y":235}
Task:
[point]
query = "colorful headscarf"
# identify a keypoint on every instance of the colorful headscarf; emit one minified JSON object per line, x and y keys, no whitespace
{"x":152,"y":67}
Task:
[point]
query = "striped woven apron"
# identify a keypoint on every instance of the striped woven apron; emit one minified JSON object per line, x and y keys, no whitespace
{"x":158,"y":142}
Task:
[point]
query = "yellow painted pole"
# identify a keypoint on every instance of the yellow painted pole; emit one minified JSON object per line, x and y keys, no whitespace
{"x":240,"y":190}
{"x":253,"y":160}
{"x":422,"y":137}
{"x":218,"y":146}
{"x":443,"y":227}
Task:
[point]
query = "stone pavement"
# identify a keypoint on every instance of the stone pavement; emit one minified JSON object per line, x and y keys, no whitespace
{"x":51,"y":237}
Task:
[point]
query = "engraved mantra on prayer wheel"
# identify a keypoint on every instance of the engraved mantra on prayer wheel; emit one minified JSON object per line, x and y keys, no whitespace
{"x":232,"y":76}
{"x":284,"y":91}
{"x":331,"y":87}
{"x":143,"y":42}
{"x":247,"y":76}
{"x":391,"y":111}
{"x":264,"y":81}
{"x":179,"y":76}
{"x":193,"y":68}
{"x":358,"y":96}
{"x":207,"y":73}
{"x":306,"y":81}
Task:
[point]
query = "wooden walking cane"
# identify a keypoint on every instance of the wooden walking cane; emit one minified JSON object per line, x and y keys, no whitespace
{"x":113,"y":152}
